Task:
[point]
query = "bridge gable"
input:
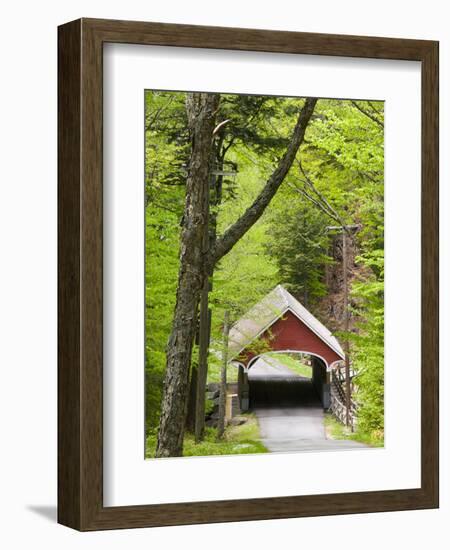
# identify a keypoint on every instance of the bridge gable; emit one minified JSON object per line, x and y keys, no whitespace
{"x":289,"y":333}
{"x":283,"y":324}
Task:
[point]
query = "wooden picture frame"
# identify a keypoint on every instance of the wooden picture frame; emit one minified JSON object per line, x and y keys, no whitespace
{"x":80,"y":271}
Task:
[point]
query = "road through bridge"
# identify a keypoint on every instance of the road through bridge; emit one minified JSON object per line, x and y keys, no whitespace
{"x":289,"y":412}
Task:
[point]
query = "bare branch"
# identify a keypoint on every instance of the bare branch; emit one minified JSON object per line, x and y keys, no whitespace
{"x":368,"y":114}
{"x":314,"y":201}
{"x":158,"y":112}
{"x":321,"y":202}
{"x":320,"y":196}
{"x":219,"y":126}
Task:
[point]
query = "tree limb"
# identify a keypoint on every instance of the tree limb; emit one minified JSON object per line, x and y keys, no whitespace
{"x":158,"y":112}
{"x":368,"y":114}
{"x":332,"y":212}
{"x":320,"y":201}
{"x":312,"y":200}
{"x":232,"y":235}
{"x":219,"y":126}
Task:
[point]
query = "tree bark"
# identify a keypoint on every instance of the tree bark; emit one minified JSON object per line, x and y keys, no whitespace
{"x":201,"y":110}
{"x":202,"y":371}
{"x":255,"y":211}
{"x":223,"y":377}
{"x":190,"y":418}
{"x":205,"y":312}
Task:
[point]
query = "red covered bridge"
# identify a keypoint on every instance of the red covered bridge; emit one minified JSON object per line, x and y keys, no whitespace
{"x":279,"y":322}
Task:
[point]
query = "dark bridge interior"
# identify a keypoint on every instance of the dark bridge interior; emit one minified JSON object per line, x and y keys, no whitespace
{"x":270,"y":383}
{"x":274,"y":392}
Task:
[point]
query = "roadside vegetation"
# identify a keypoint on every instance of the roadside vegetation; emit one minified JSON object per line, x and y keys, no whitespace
{"x":335,"y":430}
{"x":242,"y":439}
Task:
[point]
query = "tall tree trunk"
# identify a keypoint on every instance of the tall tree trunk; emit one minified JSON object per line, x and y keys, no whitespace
{"x":190,"y":418}
{"x":202,"y":371}
{"x":223,"y":376}
{"x":201,"y":110}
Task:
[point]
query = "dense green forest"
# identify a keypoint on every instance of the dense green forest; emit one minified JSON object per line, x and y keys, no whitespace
{"x":336,"y":179}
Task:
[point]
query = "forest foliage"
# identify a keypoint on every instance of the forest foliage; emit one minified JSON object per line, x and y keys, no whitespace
{"x":342,"y":157}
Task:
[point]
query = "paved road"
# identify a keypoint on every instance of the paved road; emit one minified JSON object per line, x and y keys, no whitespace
{"x":289,"y":412}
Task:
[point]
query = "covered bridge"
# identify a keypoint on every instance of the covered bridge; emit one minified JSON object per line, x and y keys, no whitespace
{"x":279,"y":322}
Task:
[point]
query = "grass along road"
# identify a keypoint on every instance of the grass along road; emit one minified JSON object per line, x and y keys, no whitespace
{"x":337,"y":431}
{"x":243,"y":439}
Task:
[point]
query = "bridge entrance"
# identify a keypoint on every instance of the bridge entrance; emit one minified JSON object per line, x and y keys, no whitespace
{"x":279,"y":323}
{"x":270,"y":381}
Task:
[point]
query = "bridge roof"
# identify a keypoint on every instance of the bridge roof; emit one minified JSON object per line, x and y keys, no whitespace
{"x":262,"y":315}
